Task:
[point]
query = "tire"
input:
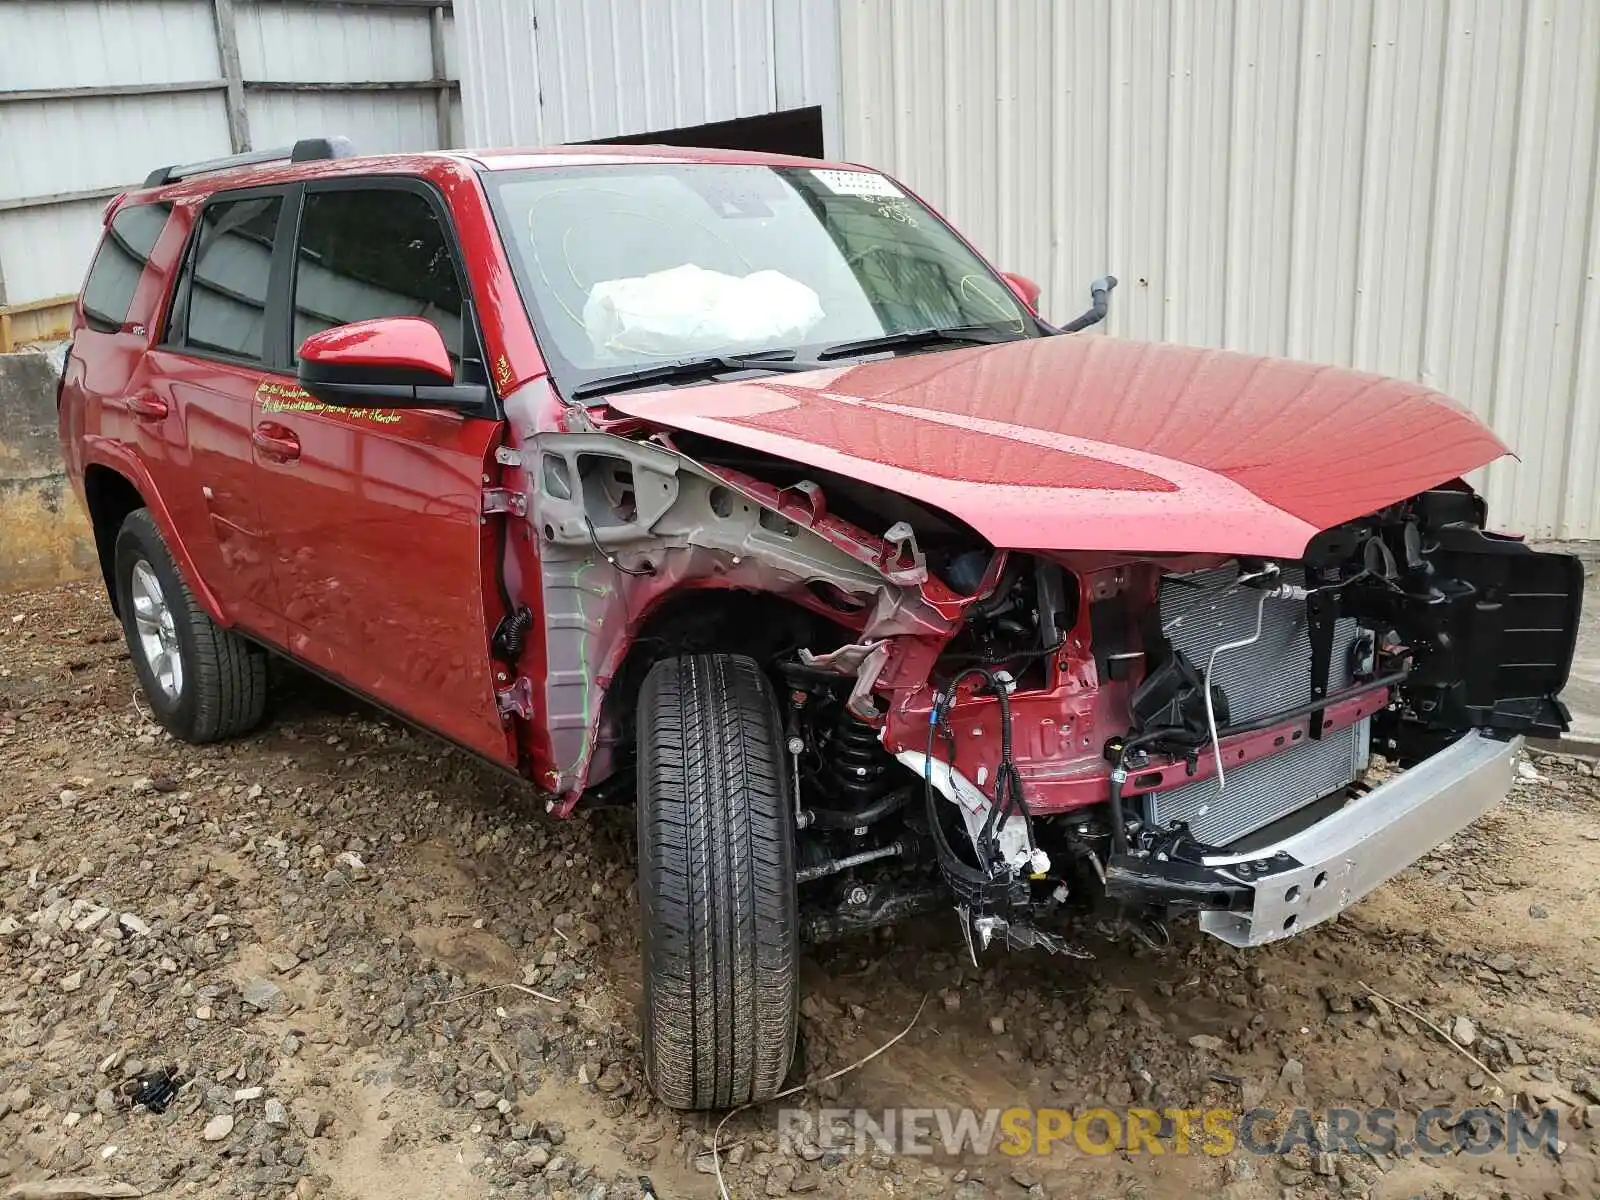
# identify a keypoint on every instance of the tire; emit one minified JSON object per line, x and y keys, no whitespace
{"x":716,"y":884}
{"x":218,"y":688}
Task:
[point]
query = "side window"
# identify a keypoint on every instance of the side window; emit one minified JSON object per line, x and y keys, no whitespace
{"x":119,"y":263}
{"x":373,"y":253}
{"x":221,"y":303}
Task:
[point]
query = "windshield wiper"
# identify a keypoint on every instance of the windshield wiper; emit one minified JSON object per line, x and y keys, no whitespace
{"x":910,"y":338}
{"x":692,"y":368}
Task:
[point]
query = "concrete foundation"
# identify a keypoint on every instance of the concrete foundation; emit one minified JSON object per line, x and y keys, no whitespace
{"x":44,"y":534}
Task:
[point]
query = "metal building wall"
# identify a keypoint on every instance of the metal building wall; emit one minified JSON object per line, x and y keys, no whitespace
{"x":95,"y":93}
{"x":543,"y":72}
{"x":1406,"y":186}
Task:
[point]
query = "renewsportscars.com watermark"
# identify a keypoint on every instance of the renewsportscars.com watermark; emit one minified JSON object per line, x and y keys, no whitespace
{"x":1214,"y":1132}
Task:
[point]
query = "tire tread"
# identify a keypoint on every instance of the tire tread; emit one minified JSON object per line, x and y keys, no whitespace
{"x":717,"y":892}
{"x":228,"y":673}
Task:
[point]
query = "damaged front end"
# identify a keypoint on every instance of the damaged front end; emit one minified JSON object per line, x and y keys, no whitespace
{"x":1029,"y":736}
{"x":1466,"y":635}
{"x":1213,"y":721}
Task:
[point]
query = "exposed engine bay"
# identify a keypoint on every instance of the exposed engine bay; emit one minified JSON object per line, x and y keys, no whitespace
{"x":1031,"y":736}
{"x":1093,"y":719}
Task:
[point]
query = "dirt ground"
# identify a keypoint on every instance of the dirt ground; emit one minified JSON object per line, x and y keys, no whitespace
{"x":379,"y":970}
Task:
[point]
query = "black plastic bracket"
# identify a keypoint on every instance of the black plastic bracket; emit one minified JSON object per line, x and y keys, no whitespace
{"x":1321,"y":611}
{"x":1173,"y":885}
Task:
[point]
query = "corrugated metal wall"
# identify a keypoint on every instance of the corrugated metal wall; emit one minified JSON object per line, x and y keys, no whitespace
{"x":543,"y":72}
{"x":1407,"y":186}
{"x":85,"y":147}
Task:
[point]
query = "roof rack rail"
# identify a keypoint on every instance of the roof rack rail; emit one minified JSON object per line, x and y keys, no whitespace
{"x":305,"y":150}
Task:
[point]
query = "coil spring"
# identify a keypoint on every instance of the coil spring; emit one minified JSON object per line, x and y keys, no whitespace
{"x":855,"y":760}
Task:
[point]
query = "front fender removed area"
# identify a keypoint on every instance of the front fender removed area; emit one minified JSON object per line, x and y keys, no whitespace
{"x":623,"y":526}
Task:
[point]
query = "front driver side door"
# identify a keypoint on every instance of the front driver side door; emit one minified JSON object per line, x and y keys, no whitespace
{"x":380,"y":555}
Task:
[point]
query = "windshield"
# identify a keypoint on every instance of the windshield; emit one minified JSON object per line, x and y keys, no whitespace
{"x":628,"y":266}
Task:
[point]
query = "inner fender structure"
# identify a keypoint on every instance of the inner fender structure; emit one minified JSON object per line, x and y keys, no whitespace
{"x":622,"y":524}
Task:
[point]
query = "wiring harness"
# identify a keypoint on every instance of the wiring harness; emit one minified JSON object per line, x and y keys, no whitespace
{"x":994,"y":883}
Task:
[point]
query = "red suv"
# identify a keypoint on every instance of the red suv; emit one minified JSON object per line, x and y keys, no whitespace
{"x":741,"y":487}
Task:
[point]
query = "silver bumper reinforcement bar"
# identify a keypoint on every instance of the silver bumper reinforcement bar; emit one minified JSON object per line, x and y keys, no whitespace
{"x":1320,"y":871}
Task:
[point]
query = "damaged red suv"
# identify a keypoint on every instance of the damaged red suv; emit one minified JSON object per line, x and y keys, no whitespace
{"x":741,"y":488}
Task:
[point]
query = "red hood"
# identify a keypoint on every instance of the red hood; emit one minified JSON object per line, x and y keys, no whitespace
{"x":1091,"y":443}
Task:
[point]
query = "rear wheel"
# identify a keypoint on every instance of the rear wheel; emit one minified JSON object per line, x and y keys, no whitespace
{"x":716,"y":884}
{"x":203,"y":682}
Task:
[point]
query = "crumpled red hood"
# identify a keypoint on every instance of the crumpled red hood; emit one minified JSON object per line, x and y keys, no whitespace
{"x":1093,"y":443}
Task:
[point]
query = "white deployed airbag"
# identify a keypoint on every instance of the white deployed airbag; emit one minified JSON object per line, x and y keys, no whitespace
{"x":692,"y":310}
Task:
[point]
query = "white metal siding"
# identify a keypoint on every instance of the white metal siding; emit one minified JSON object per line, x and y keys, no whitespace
{"x":44,"y":150}
{"x":45,"y":251}
{"x":62,"y":145}
{"x":1406,"y":186}
{"x":543,"y":72}
{"x":70,"y":233}
{"x":90,"y":43}
{"x":377,"y":122}
{"x":321,"y":42}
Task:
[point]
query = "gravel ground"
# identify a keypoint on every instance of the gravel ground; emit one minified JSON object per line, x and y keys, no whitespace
{"x":374,"y":968}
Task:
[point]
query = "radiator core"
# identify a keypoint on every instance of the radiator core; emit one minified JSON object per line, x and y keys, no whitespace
{"x":1202,"y":610}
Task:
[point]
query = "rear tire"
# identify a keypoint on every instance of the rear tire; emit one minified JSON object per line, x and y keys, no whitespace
{"x":716,"y":884}
{"x":204,"y":683}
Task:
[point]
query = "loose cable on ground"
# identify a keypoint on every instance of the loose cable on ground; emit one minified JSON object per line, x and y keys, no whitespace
{"x":716,"y":1136}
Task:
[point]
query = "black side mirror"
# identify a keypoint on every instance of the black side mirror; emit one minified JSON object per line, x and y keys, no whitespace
{"x":1100,"y":304}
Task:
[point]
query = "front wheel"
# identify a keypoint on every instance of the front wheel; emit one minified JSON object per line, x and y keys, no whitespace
{"x":204,"y":683}
{"x":716,"y":884}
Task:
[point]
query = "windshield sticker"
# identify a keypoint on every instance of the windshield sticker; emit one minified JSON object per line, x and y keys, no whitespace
{"x":856,"y":183}
{"x":291,"y":398}
{"x":897,"y":210}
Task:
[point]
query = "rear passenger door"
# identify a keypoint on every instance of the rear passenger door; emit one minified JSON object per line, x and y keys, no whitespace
{"x":216,"y":353}
{"x":381,"y":559}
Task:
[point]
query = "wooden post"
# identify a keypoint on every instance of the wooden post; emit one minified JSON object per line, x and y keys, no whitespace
{"x":233,"y":77}
{"x":440,"y":79}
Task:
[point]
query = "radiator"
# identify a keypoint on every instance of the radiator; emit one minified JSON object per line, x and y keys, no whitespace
{"x":1199,"y":612}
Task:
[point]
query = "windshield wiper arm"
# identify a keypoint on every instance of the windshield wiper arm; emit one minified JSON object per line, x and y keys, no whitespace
{"x":906,"y":339}
{"x":692,"y":368}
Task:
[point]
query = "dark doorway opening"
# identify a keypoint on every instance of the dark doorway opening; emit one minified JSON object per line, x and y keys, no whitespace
{"x":797,"y":131}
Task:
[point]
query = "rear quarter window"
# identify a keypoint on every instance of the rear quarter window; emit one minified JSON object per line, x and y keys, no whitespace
{"x":119,"y":264}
